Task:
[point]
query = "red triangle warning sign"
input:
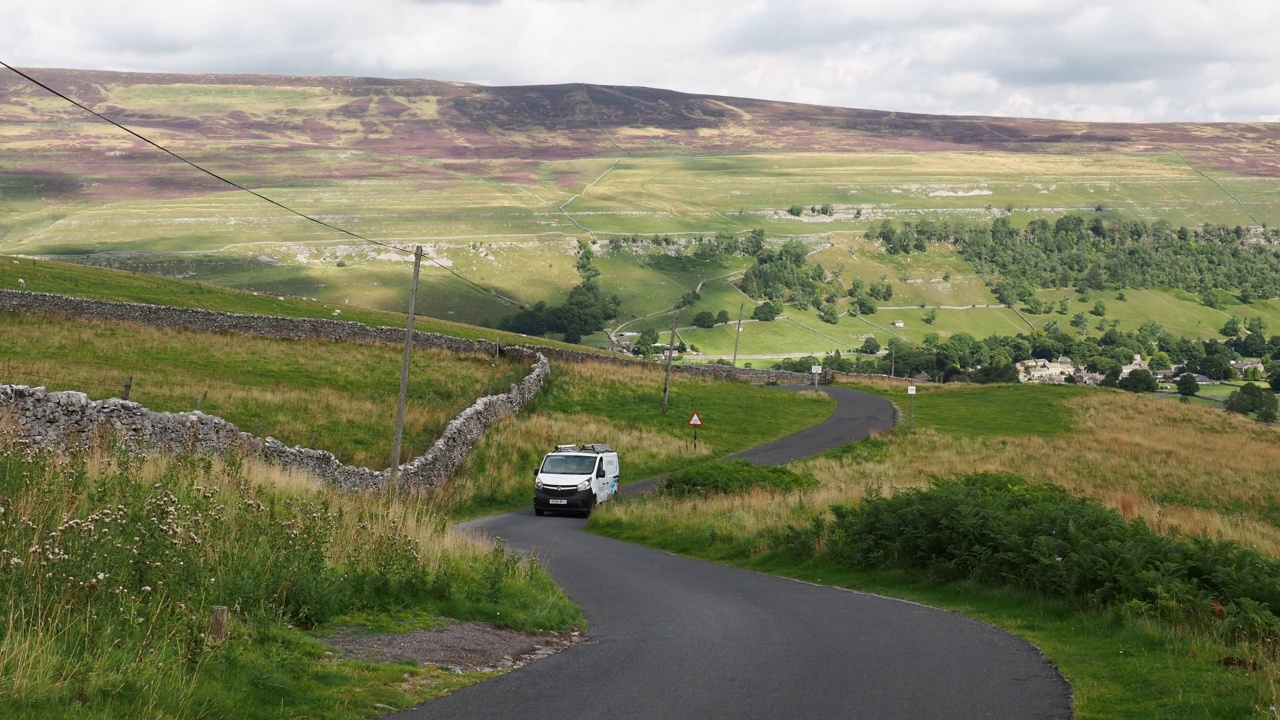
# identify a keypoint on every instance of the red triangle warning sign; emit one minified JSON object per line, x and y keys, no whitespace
{"x":695,"y":420}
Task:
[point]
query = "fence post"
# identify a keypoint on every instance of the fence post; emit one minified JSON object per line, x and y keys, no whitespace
{"x":312,"y":442}
{"x":128,"y":385}
{"x":200,"y":400}
{"x":218,"y":625}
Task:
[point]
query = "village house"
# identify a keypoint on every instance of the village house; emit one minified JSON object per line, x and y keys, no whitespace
{"x":1136,"y":364}
{"x":1044,"y":371}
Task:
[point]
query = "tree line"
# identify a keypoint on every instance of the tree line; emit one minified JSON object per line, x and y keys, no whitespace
{"x":1102,"y":252}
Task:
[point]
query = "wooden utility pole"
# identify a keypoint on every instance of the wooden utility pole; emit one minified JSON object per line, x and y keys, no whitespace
{"x":404,"y":369}
{"x":671,"y":350}
{"x":737,"y":335}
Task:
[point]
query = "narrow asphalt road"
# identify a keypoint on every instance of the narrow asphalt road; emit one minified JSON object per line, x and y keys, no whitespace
{"x":672,"y":637}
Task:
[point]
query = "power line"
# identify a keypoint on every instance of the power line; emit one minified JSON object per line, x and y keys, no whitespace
{"x":260,"y":196}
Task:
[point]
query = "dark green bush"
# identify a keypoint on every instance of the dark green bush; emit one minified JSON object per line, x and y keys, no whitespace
{"x":1000,"y":529}
{"x":735,"y":476}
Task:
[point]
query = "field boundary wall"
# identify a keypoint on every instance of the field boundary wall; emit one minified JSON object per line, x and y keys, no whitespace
{"x":46,"y":418}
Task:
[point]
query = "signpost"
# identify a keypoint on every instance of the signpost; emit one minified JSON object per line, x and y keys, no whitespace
{"x":911,"y":393}
{"x":695,"y":422}
{"x":816,"y":370}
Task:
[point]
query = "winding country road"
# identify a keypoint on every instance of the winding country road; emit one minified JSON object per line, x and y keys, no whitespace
{"x":672,"y":637}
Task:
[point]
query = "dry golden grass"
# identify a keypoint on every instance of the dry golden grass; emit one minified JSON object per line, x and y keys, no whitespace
{"x":1125,"y":450}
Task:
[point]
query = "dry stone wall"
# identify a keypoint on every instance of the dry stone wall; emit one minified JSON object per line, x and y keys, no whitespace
{"x":54,"y":418}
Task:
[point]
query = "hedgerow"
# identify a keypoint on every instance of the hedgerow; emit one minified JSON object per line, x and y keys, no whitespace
{"x":1000,"y":529}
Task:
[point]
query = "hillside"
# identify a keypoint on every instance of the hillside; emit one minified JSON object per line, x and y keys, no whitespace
{"x":502,"y":184}
{"x":441,"y":120}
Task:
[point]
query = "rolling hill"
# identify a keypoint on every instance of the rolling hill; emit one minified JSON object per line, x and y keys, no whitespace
{"x":501,"y":184}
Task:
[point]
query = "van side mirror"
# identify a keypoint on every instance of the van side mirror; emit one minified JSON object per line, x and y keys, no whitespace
{"x":535,"y":471}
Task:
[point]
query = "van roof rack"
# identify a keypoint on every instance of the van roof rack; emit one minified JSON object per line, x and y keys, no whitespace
{"x":592,"y":447}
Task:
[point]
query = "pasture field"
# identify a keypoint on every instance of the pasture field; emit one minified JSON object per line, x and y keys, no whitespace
{"x":979,"y":322}
{"x":937,"y":277}
{"x":755,"y":189}
{"x":513,"y":225}
{"x":1181,"y":313}
{"x":789,"y":334}
{"x":653,"y":282}
{"x":124,"y":286}
{"x":452,"y":204}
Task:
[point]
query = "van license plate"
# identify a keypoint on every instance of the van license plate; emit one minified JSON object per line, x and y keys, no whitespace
{"x":559,"y":501}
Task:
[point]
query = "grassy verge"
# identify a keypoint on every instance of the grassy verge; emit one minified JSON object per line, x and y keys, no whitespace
{"x":111,"y":566}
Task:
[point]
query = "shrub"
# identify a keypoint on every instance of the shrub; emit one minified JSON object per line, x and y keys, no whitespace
{"x":734,"y":476}
{"x":765,"y":311}
{"x":704,"y":319}
{"x":1001,"y":530}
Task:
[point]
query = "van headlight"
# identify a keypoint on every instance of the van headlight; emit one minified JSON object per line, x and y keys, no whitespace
{"x":584,"y":485}
{"x":537,"y":483}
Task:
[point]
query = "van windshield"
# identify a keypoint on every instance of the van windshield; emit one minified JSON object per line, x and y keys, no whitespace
{"x":569,"y":464}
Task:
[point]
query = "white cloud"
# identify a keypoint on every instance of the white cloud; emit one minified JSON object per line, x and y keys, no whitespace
{"x":1089,"y":60}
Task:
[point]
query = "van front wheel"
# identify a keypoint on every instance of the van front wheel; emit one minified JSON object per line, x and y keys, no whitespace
{"x":539,"y":511}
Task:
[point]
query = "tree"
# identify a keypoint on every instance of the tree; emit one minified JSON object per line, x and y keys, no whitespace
{"x":1099,"y":309}
{"x":1139,"y":381}
{"x":765,"y":311}
{"x":704,"y":319}
{"x":1187,"y":384}
{"x":1080,"y":322}
{"x":1231,"y":328}
{"x":871,"y":346}
{"x":796,"y":210}
{"x":722,"y":317}
{"x":882,"y":291}
{"x":866,"y":306}
{"x":1253,"y":399}
{"x":827,"y":314}
{"x":931,"y":316}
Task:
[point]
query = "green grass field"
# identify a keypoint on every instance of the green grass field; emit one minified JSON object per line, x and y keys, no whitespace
{"x":124,"y":286}
{"x":500,"y":223}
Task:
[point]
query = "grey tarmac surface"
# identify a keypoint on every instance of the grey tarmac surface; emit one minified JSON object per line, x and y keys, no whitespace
{"x":672,"y":637}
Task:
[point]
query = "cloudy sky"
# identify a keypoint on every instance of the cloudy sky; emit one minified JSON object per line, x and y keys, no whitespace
{"x":1126,"y":60}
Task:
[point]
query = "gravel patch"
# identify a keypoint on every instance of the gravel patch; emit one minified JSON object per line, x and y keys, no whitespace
{"x":459,"y":645}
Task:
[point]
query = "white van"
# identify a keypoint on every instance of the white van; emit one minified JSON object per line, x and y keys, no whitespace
{"x":575,"y":478}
